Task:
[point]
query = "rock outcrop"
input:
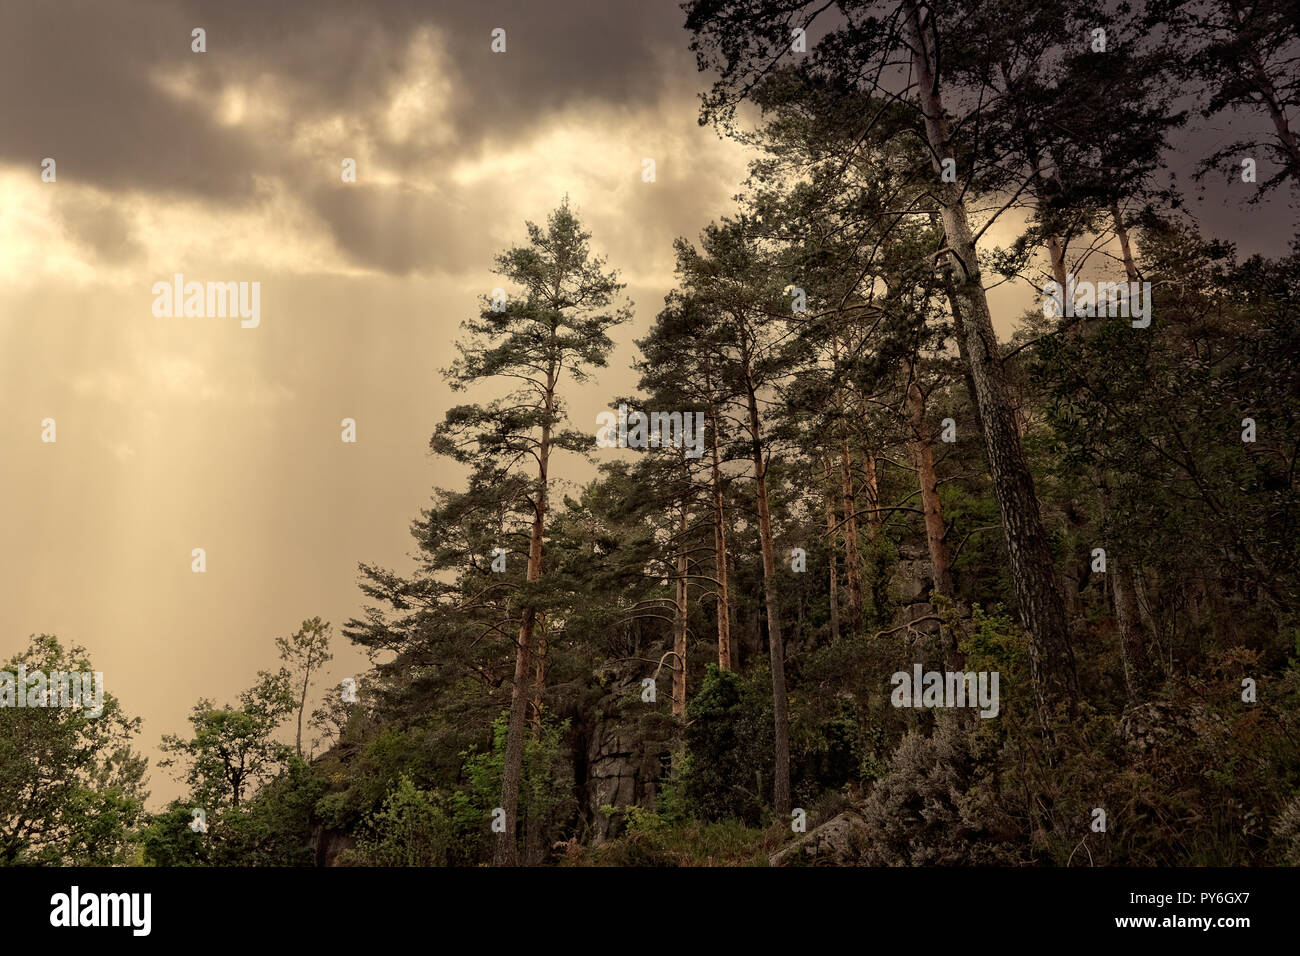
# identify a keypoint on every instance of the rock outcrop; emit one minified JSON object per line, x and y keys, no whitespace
{"x":626,"y":749}
{"x":840,"y":841}
{"x":1163,"y":725}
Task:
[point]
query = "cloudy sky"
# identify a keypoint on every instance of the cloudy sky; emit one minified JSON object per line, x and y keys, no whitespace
{"x":177,"y":433}
{"x":183,"y":433}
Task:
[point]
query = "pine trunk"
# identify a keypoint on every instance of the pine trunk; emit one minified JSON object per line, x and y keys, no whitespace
{"x":851,"y":555}
{"x":830,"y":554}
{"x":539,"y":678}
{"x":852,"y":562}
{"x":871,"y":491}
{"x":780,"y":701}
{"x":935,"y":533}
{"x":1138,"y":672}
{"x":679,"y":625}
{"x":1037,"y":591}
{"x":1126,"y":248}
{"x":506,"y":853}
{"x":720,"y":555}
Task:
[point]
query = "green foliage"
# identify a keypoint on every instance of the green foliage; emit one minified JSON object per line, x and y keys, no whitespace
{"x":168,"y":840}
{"x":409,"y":830}
{"x":305,"y":651}
{"x":546,"y":805}
{"x":727,"y":771}
{"x":671,"y":804}
{"x":232,"y":750}
{"x":71,"y":787}
{"x":995,"y":643}
{"x":652,"y":841}
{"x":825,"y":749}
{"x":276,"y":828}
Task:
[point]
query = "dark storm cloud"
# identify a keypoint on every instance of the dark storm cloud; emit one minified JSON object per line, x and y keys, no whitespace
{"x":78,"y":82}
{"x":74,"y":77}
{"x":74,"y":85}
{"x":401,"y":230}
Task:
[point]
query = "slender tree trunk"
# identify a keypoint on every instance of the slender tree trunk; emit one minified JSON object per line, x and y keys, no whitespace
{"x":1053,"y":241}
{"x":1056,"y":252}
{"x":1220,"y":620}
{"x":1075,"y":327}
{"x":1268,"y":93}
{"x":539,"y":677}
{"x":1137,"y":664}
{"x":852,"y":558}
{"x":959,"y":332}
{"x":780,"y":701}
{"x":1126,"y":247}
{"x":1076,"y":564}
{"x":1128,"y":619}
{"x":679,"y":624}
{"x":830,"y":552}
{"x":871,"y":492}
{"x":747,"y":639}
{"x":720,"y":555}
{"x":935,"y":532}
{"x":870,"y":485}
{"x":302,"y":703}
{"x":1138,"y":674}
{"x":1042,"y":612}
{"x":506,"y":853}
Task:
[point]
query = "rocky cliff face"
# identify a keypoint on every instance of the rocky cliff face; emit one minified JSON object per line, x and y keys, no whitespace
{"x":912,"y":582}
{"x":912,"y":573}
{"x":627,"y":747}
{"x":328,"y":844}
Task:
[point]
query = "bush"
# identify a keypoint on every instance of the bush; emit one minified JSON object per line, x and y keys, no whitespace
{"x":409,"y":830}
{"x":727,"y":771}
{"x":547,"y":805}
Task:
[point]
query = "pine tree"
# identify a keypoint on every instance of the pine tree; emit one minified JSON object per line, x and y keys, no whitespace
{"x":557,"y":326}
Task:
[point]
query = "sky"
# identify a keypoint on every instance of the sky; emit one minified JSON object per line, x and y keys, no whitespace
{"x":176,"y":433}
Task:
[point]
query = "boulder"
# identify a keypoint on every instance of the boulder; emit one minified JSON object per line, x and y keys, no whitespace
{"x":912,"y":578}
{"x":1159,"y":725}
{"x":840,"y":841}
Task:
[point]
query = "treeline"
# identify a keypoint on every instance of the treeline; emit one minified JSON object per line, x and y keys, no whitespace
{"x":676,"y":661}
